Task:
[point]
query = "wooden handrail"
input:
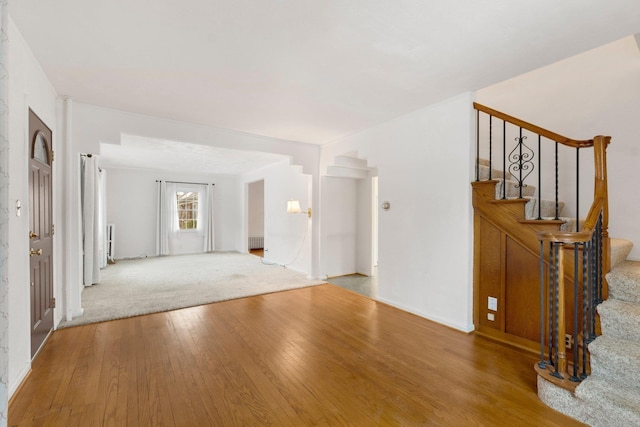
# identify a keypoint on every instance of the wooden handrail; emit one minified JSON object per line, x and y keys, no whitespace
{"x":575,"y":143}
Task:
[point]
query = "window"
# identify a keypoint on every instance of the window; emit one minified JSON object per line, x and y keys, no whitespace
{"x":40,"y":149}
{"x":187,"y":210}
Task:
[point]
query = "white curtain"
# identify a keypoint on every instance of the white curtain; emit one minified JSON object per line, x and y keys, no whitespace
{"x":93,"y":219}
{"x":102,"y":212}
{"x":209,"y":244}
{"x":167,"y":217}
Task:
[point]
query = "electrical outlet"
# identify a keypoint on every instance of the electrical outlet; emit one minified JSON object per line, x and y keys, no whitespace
{"x":568,"y":341}
{"x":493,"y":303}
{"x":491,"y":316}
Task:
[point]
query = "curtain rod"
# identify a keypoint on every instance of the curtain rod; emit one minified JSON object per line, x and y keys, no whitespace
{"x":182,"y":182}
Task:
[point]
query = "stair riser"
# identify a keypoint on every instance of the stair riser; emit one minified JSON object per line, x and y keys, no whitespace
{"x":592,"y":410}
{"x":548,"y":209}
{"x":624,"y":282}
{"x":495,"y":174}
{"x":616,"y":371}
{"x":514,"y":191}
{"x":601,"y":413}
{"x":622,"y":325}
{"x":620,"y":249}
{"x":622,"y":330}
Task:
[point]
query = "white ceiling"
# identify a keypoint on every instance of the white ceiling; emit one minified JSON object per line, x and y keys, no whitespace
{"x":308,"y":71}
{"x":139,"y":152}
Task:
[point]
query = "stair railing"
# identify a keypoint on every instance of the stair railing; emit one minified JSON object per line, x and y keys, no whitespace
{"x":520,"y":158}
{"x":592,"y":261}
{"x":590,"y":244}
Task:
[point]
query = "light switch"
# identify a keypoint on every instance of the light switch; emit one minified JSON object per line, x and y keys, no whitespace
{"x":493,"y":303}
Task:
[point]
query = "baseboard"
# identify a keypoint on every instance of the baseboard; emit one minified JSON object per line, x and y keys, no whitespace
{"x":508,"y":339}
{"x":460,"y":327}
{"x":20,"y":381}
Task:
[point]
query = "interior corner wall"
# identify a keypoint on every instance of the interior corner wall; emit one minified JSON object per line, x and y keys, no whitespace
{"x":132,"y":206}
{"x":28,"y":88}
{"x":288,"y":237}
{"x":425,"y":162}
{"x":594,"y":93}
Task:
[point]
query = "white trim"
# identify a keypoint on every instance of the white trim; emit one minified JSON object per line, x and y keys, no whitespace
{"x":461,"y":327}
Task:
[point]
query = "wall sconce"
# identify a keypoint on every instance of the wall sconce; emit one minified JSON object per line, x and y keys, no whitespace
{"x":293,"y":206}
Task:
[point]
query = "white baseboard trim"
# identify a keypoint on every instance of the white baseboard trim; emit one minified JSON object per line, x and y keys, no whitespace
{"x":460,"y":327}
{"x":14,"y":386}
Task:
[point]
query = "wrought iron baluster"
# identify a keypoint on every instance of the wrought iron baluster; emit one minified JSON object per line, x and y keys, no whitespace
{"x":557,"y":210}
{"x":542,"y":363}
{"x":592,"y":287}
{"x":521,"y":161}
{"x":539,"y":178}
{"x":504,"y":160}
{"x":599,"y":260}
{"x":556,"y":311}
{"x":577,"y":189}
{"x":520,"y":164}
{"x":550,"y":288}
{"x":490,"y":146}
{"x":576,"y":288}
{"x":477,"y":145}
{"x":585,"y":293}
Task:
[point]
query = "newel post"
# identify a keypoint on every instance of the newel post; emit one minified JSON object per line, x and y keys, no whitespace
{"x":601,"y":189}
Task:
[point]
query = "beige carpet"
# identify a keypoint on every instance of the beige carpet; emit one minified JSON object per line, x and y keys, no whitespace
{"x":150,"y":285}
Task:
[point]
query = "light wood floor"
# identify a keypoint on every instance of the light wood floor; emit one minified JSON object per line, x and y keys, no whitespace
{"x":313,"y":356}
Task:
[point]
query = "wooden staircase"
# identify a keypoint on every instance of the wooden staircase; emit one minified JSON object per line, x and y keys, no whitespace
{"x":538,"y":277}
{"x":506,"y":267}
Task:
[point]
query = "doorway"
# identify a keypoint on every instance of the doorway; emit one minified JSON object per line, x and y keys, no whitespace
{"x":256,"y":225}
{"x":40,"y":231}
{"x":350,"y":233}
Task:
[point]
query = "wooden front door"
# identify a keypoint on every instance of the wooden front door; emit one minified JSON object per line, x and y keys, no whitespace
{"x":41,"y":231}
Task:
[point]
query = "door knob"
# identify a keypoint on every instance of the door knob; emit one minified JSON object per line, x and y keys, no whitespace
{"x":33,"y":252}
{"x":32,"y":235}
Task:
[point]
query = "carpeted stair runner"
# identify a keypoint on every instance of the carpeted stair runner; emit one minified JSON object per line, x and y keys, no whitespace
{"x":620,"y":319}
{"x":608,"y":405}
{"x":612,"y":358}
{"x":611,"y":394}
{"x":624,"y":281}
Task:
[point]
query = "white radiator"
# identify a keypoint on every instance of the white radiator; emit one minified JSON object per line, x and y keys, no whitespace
{"x":256,"y":243}
{"x":110,"y":241}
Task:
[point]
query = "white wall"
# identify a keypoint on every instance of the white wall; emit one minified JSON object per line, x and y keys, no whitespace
{"x":365,"y":223}
{"x":256,"y":209}
{"x":132,"y":201}
{"x":425,"y":163}
{"x":28,"y":88}
{"x":339,"y":225}
{"x":288,"y":237}
{"x":595,"y":93}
